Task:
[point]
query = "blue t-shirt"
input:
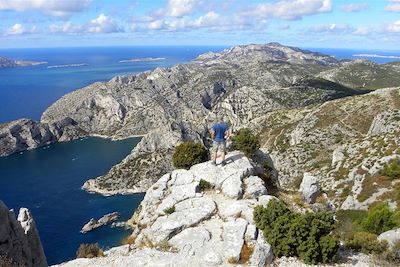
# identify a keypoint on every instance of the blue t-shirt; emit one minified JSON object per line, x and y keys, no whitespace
{"x":219,"y":131}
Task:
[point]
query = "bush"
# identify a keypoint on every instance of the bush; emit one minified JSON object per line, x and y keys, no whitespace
{"x":245,"y":141}
{"x":391,"y":170}
{"x":204,"y":185}
{"x":188,"y":154}
{"x":366,"y":243}
{"x":379,"y":219}
{"x":8,"y":262}
{"x":170,"y":210}
{"x":89,"y":251}
{"x":304,"y":235}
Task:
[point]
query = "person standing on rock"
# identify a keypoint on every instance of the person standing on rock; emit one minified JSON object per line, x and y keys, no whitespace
{"x":219,"y":134}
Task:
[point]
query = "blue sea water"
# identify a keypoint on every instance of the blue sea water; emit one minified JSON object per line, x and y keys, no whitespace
{"x":48,"y":180}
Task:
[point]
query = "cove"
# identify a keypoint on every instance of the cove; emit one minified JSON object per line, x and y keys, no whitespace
{"x":47,"y":181}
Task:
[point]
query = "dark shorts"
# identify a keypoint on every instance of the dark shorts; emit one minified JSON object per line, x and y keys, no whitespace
{"x":219,"y":146}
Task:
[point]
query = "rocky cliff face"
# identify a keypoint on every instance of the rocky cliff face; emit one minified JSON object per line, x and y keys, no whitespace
{"x":169,"y":105}
{"x":344,"y":143}
{"x":19,"y":238}
{"x":26,"y":134}
{"x":178,"y":224}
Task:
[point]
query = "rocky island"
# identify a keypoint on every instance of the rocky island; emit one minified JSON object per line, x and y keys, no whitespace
{"x":9,"y":63}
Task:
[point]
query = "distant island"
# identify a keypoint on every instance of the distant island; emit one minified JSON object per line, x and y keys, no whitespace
{"x":141,"y":59}
{"x":68,"y":65}
{"x":9,"y":63}
{"x":375,"y":56}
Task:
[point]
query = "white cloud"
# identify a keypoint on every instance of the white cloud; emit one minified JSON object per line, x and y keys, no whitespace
{"x":394,"y":27}
{"x":67,"y":27}
{"x":354,"y":7}
{"x":332,"y":28}
{"x":156,"y":25}
{"x":362,"y":31}
{"x":56,"y":8}
{"x":394,"y":6}
{"x":179,"y":8}
{"x":19,"y":29}
{"x":291,"y":9}
{"x":103,"y":24}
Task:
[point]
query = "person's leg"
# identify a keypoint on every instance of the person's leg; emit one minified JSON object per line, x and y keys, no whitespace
{"x":223,"y":150}
{"x":214,"y":152}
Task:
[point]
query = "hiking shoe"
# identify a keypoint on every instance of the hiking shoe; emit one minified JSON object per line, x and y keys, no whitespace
{"x":213,"y":163}
{"x":223,"y":163}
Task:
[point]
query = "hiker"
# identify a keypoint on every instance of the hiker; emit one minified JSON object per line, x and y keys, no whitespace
{"x":219,"y":134}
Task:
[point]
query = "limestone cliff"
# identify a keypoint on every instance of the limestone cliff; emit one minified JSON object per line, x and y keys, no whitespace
{"x":19,"y":238}
{"x":26,"y":134}
{"x":169,"y":105}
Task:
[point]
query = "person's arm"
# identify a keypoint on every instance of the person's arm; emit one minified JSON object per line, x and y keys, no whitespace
{"x":212,"y":133}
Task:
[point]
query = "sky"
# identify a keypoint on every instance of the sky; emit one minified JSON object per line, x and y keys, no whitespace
{"x":369,"y":24}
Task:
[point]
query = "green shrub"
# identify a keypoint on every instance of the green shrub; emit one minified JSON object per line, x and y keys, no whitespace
{"x":170,"y":210}
{"x":245,"y":141}
{"x":304,"y":235}
{"x":188,"y":154}
{"x":204,"y":185}
{"x":379,"y":219}
{"x":89,"y":251}
{"x":366,"y":243}
{"x":391,"y":170}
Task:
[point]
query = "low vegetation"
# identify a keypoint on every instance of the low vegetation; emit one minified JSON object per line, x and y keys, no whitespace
{"x":392,"y":169}
{"x":307,"y":236}
{"x":204,"y":185}
{"x":170,"y":210}
{"x":245,"y":141}
{"x":188,"y":154}
{"x":89,"y":251}
{"x":359,"y":230}
{"x":7,"y":262}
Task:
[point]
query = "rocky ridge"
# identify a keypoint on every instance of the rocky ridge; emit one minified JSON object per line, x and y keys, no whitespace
{"x":343,"y":143}
{"x":170,"y":105}
{"x":177,"y":224}
{"x":19,"y":238}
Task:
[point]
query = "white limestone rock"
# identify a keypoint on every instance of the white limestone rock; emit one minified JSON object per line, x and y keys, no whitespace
{"x":254,"y":187}
{"x":233,"y":237}
{"x":191,"y":239}
{"x":391,"y":236}
{"x":19,"y":238}
{"x":262,"y":255}
{"x":310,"y":188}
{"x":265,"y":199}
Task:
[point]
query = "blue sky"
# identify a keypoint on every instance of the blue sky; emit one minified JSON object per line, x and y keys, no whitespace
{"x":370,"y":24}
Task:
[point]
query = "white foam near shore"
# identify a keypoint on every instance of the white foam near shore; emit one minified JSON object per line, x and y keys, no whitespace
{"x":142,"y":59}
{"x":68,"y":65}
{"x":376,"y":56}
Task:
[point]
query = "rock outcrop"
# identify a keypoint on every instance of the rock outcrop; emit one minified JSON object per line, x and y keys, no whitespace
{"x":178,"y":225}
{"x":19,"y":238}
{"x":24,"y":134}
{"x":391,"y":236}
{"x":104,"y":220}
{"x":310,"y":188}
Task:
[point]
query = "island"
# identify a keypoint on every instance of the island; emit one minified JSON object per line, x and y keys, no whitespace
{"x":142,"y":59}
{"x":10,"y":63}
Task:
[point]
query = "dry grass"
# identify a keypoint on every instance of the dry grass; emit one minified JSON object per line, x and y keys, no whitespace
{"x":89,"y":251}
{"x":129,"y":240}
{"x":371,"y":184}
{"x":245,"y":253}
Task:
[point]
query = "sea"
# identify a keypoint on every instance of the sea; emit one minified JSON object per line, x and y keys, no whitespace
{"x":48,"y":180}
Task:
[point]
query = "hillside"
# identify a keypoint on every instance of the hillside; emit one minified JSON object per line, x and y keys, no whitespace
{"x":343,"y":142}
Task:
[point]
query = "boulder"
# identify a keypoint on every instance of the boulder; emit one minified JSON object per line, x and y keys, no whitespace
{"x":233,"y":237}
{"x":391,"y":236}
{"x":254,"y":187}
{"x":93,"y":223}
{"x":310,"y":188}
